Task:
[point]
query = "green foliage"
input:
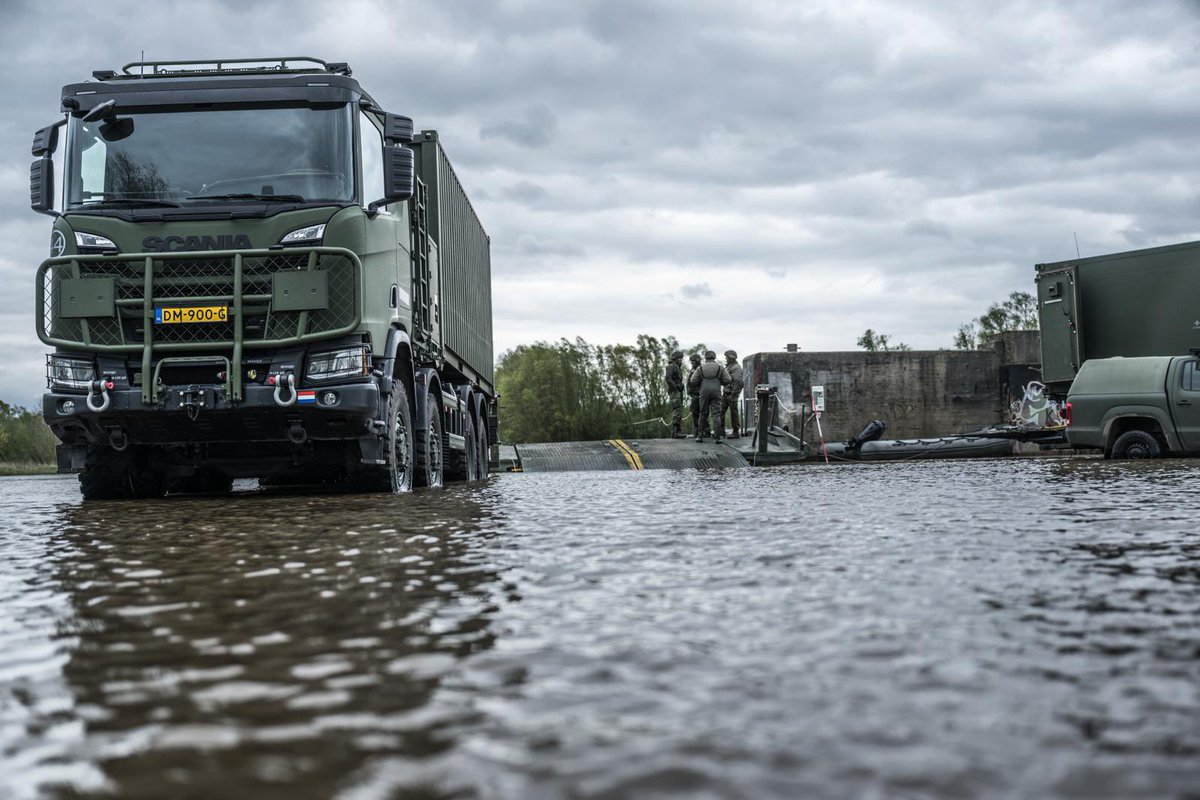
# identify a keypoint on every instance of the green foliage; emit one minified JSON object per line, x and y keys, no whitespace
{"x":24,"y":436}
{"x":1017,"y":313}
{"x":574,"y":391}
{"x":874,"y":342}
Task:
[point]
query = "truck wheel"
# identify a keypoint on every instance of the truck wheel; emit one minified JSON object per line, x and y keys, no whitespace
{"x":429,"y":448}
{"x":471,"y":451}
{"x":109,"y":475}
{"x":400,"y":450}
{"x":1136,"y":444}
{"x":461,"y":464}
{"x":482,"y":451}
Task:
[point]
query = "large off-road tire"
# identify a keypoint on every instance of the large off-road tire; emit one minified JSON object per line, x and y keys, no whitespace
{"x":471,"y":448}
{"x":461,"y":465}
{"x":111,"y":475}
{"x":430,"y":461}
{"x":401,"y":451}
{"x":1136,"y":444}
{"x":482,"y":448}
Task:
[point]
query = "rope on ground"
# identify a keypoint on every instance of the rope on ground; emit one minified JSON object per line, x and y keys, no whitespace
{"x":659,"y":420}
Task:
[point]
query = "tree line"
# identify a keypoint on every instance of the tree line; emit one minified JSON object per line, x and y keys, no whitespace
{"x":571,"y":390}
{"x":24,"y":437}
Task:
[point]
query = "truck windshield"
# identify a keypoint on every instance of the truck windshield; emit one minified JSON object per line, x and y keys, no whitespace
{"x":197,"y":158}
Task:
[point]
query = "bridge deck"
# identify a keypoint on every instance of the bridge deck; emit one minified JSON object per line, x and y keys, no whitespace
{"x":627,"y":454}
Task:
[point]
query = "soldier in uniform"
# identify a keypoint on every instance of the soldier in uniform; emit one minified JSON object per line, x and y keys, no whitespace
{"x":675,"y":392}
{"x":733,"y":393}
{"x":710,"y":378}
{"x":698,"y":424}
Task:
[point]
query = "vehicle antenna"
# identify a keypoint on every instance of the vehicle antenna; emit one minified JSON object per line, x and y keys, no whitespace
{"x":143,"y":65}
{"x":1076,"y":244}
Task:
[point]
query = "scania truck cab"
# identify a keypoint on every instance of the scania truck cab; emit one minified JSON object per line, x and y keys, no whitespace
{"x":256,"y":271}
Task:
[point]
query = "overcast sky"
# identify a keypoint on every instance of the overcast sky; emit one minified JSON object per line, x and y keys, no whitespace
{"x":746,"y":174}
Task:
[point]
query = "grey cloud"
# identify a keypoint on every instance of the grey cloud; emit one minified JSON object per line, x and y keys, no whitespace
{"x":927,"y":227}
{"x":525,"y":192}
{"x":691,"y":291}
{"x":528,"y":244}
{"x":535,"y":131}
{"x":935,"y":151}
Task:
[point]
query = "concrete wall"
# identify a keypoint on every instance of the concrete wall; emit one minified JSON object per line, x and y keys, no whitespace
{"x":917,"y":393}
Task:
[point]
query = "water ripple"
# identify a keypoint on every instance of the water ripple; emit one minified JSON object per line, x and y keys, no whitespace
{"x":1007,"y":628}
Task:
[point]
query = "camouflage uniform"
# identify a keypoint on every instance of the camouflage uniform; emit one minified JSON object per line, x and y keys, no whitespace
{"x":698,"y":425}
{"x":675,"y":392}
{"x":710,"y":377}
{"x":733,"y":394}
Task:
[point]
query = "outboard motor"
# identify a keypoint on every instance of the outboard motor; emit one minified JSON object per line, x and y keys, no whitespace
{"x":873,"y":430}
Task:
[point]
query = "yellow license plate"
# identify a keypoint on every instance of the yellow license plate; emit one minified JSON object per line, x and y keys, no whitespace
{"x":165,"y":315}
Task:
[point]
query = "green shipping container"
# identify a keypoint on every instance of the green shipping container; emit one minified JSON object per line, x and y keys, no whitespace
{"x":463,"y":267}
{"x":1137,"y":303}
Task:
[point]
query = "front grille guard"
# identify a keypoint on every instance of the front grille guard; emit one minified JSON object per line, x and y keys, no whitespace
{"x":239,"y":279}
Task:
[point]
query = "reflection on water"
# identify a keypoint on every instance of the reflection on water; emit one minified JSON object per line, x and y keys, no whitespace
{"x":1015,"y":628}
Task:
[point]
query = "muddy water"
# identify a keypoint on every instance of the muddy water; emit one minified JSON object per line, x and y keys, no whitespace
{"x":976,"y":629}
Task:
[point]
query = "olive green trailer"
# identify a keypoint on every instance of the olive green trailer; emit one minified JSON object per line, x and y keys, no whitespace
{"x":1136,"y":303}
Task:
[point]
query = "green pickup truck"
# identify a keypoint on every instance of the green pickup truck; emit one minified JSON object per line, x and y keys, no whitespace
{"x":1136,"y":407}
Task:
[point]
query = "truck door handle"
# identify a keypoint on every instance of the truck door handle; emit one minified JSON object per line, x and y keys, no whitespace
{"x":1183,"y":402}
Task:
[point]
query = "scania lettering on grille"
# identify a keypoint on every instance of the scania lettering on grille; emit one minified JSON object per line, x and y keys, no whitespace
{"x":176,"y":244}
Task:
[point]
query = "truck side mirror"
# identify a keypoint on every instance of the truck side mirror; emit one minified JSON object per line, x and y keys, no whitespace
{"x":398,"y":168}
{"x":45,"y":141}
{"x":41,"y":186}
{"x":397,"y":129}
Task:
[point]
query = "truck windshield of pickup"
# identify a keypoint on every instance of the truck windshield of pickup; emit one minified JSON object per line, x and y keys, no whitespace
{"x":173,"y":158}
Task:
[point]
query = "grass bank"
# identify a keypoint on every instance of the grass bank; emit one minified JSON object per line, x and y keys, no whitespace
{"x":26,"y":468}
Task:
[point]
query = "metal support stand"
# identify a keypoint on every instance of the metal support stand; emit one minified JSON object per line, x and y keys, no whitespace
{"x":764,"y":395}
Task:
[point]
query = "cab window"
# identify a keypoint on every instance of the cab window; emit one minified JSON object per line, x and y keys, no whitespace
{"x":1191,"y":377}
{"x":370,"y":144}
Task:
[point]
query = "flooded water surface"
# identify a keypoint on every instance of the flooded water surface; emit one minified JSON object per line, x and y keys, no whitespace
{"x":1007,"y":628}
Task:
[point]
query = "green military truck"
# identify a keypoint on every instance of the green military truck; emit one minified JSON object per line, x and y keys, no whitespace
{"x":1136,"y":407}
{"x":1137,"y":303}
{"x":256,"y":271}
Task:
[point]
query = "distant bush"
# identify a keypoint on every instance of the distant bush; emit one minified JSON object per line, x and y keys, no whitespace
{"x":24,"y":437}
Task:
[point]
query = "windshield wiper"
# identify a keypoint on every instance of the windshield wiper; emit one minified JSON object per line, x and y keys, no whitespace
{"x":285,"y":198}
{"x":131,"y":202}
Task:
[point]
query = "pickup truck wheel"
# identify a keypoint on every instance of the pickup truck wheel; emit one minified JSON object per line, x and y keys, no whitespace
{"x":429,"y":448}
{"x":1136,"y":444}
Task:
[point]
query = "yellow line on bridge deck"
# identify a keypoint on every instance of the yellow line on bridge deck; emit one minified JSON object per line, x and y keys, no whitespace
{"x":635,"y":461}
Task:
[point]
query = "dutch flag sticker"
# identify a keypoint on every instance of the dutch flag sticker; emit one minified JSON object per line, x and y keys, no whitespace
{"x":306,"y":396}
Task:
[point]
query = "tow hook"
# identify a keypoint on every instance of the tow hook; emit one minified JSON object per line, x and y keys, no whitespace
{"x":284,"y":381}
{"x":117,"y":440}
{"x":191,"y":400}
{"x":296,"y":433}
{"x":99,"y":389}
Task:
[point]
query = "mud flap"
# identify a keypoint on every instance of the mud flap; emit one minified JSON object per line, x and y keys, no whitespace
{"x":370,"y":450}
{"x":70,"y":458}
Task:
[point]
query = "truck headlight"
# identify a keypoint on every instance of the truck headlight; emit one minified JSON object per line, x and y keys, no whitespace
{"x":71,"y":373}
{"x":349,"y":362}
{"x":309,"y":235}
{"x":91,"y":243}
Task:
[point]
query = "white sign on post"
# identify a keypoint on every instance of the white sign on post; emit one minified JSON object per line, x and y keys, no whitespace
{"x":818,"y":398}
